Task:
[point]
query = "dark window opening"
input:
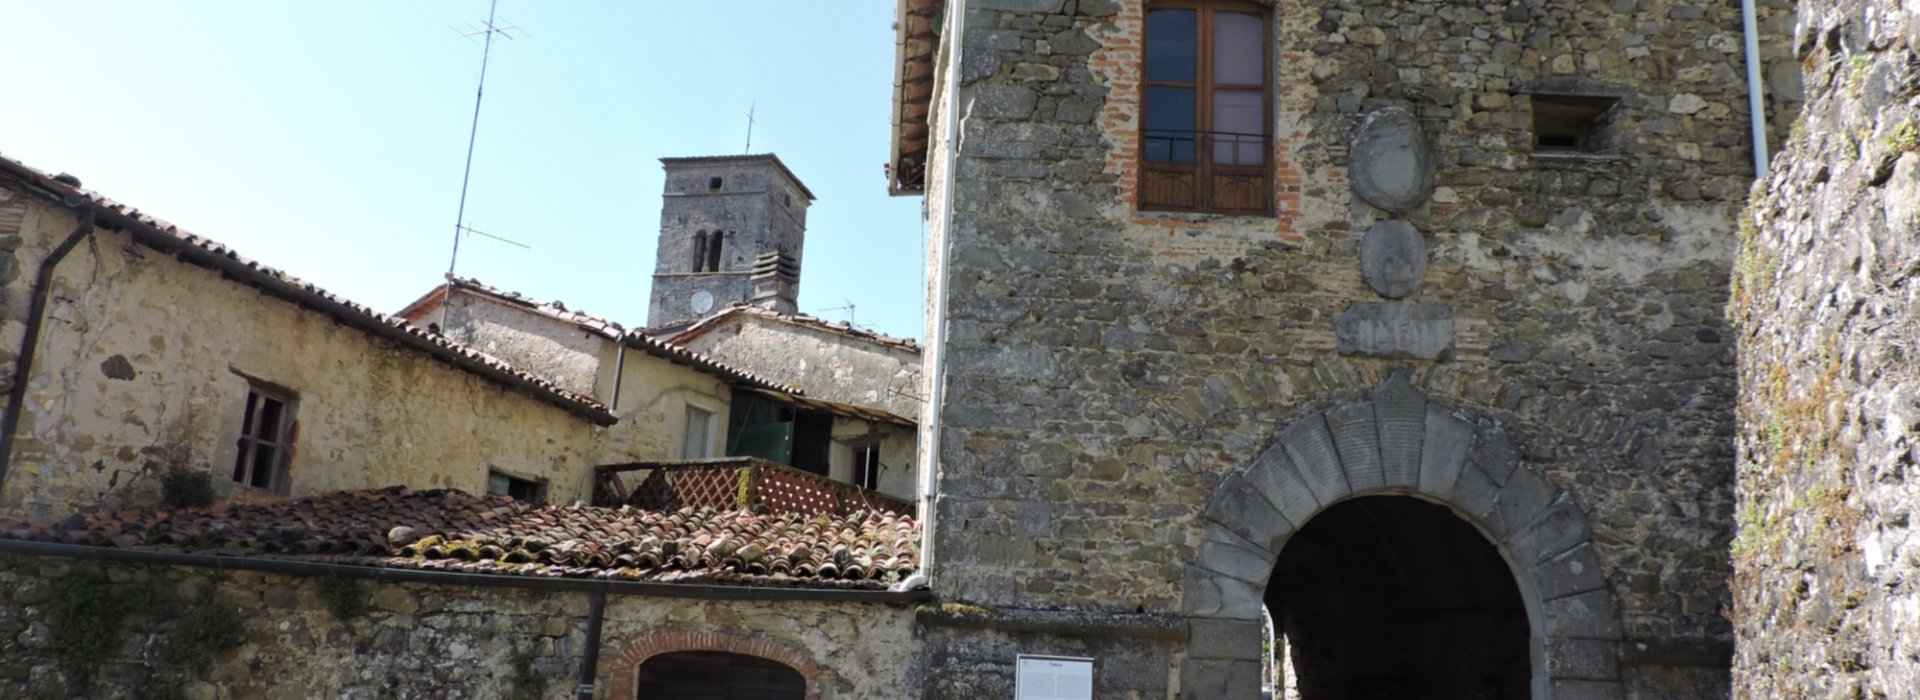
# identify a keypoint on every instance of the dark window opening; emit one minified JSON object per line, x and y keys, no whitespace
{"x":699,"y":251}
{"x":1573,"y":123}
{"x":713,"y":252}
{"x":713,"y":183}
{"x":866,"y":466}
{"x":1206,"y":108}
{"x":786,"y":200}
{"x":1391,"y":597}
{"x":523,"y":490}
{"x":774,"y":431}
{"x":266,"y":438}
{"x":715,"y":675}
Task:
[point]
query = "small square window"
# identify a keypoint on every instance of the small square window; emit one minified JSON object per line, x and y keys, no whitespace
{"x":523,"y":490}
{"x":266,"y":440}
{"x":1573,"y":123}
{"x":713,"y":183}
{"x":866,"y":466}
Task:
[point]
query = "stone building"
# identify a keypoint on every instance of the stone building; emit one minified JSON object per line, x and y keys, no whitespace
{"x":1826,"y":584}
{"x":679,"y":402}
{"x":731,"y":231}
{"x":134,"y":348}
{"x":1403,"y":321}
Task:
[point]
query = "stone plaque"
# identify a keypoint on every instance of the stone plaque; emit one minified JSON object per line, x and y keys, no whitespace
{"x":1395,"y":329}
{"x":1393,"y":257}
{"x":1390,"y":163}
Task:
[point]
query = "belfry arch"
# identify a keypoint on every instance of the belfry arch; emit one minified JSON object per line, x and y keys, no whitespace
{"x":1396,"y":442}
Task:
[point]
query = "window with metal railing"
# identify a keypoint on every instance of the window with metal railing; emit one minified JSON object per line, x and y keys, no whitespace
{"x":1207,"y":108}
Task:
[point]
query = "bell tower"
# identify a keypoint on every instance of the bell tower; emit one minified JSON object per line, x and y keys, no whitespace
{"x":731,"y":231}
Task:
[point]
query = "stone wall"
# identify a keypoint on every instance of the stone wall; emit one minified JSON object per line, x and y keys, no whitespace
{"x":145,"y":363}
{"x":558,"y":350}
{"x":654,"y":396}
{"x":332,"y":636}
{"x":1107,"y":369}
{"x":1827,"y":561}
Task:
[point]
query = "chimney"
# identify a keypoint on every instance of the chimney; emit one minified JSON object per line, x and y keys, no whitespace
{"x":776,"y":282}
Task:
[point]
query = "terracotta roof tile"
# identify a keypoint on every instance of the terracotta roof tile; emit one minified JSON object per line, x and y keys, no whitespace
{"x":452,"y":531}
{"x":210,"y":253}
{"x":841,"y":328}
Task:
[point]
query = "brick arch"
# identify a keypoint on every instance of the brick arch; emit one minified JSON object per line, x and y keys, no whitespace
{"x":620,"y":675}
{"x":1397,"y":442}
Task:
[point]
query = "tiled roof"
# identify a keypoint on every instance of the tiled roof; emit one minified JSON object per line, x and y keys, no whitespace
{"x":451,"y":531}
{"x":212,"y":254}
{"x":593,"y":324}
{"x":840,"y":328}
{"x":916,"y":27}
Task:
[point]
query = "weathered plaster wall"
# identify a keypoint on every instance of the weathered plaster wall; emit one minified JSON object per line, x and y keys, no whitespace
{"x":144,"y":364}
{"x":419,"y":640}
{"x":559,"y":351}
{"x":1106,"y":367}
{"x":1826,"y":588}
{"x":898,"y":477}
{"x":825,"y":365}
{"x":654,"y":396}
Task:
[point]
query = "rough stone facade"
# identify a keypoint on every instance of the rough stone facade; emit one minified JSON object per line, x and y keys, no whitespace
{"x":753,"y":204}
{"x":411,"y":639}
{"x":1115,"y":380}
{"x":1826,"y":587}
{"x":145,"y":364}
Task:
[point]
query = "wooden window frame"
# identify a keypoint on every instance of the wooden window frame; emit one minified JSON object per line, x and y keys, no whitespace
{"x":532,"y":491}
{"x":277,"y":439}
{"x":686,"y":432}
{"x":1203,"y":177}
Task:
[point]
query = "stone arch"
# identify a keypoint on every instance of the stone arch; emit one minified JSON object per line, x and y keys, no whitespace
{"x":618,"y":677}
{"x":1397,"y":442}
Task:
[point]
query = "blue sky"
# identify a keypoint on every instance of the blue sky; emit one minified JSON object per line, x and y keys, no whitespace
{"x":327,"y":138}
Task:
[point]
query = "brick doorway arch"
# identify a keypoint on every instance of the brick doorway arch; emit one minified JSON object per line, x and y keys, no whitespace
{"x":620,"y":676}
{"x":1397,"y":442}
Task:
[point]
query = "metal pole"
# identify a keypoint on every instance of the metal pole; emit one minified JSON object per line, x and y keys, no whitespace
{"x":590,"y":659}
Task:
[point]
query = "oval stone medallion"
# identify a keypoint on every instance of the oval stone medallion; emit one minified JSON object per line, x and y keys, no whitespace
{"x":1393,"y":258}
{"x":1390,"y":163}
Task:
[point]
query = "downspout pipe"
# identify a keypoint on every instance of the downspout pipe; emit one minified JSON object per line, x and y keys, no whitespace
{"x":23,"y":367}
{"x":1756,"y":109}
{"x":590,"y":657}
{"x":937,"y":341}
{"x":619,"y":371}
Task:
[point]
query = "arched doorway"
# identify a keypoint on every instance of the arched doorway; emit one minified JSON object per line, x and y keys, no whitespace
{"x":1396,"y":443}
{"x":717,"y":675}
{"x":1395,"y":597}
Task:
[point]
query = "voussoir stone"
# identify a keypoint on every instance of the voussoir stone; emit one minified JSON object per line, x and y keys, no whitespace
{"x":1390,"y":164}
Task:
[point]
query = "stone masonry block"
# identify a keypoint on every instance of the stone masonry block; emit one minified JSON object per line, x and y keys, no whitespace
{"x":1311,"y":448}
{"x":1583,"y":659}
{"x":1526,"y":493}
{"x":1400,"y":412}
{"x":1225,"y":639}
{"x":1212,"y":679}
{"x":1479,"y":497}
{"x":1588,"y":690}
{"x":1443,"y":452}
{"x":1207,"y":593}
{"x":1495,"y":453}
{"x":1227,"y":553}
{"x":1357,"y":439}
{"x":1273,"y":474}
{"x":1590,"y":615}
{"x":1557,"y":530}
{"x":1242,"y":509}
{"x":1575,"y":571}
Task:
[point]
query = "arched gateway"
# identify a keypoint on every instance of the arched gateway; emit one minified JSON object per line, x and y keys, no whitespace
{"x":1398,"y":443}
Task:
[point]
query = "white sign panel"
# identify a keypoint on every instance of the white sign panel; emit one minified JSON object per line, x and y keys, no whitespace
{"x":1053,"y":678}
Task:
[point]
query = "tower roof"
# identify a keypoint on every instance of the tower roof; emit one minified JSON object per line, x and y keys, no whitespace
{"x":751,"y":158}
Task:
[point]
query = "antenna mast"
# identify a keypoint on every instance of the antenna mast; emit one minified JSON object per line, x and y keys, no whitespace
{"x":473,"y":131}
{"x":750,"y":106}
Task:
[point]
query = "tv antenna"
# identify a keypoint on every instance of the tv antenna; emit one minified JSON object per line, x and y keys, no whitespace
{"x":750,"y":106}
{"x":848,"y":308}
{"x":460,"y":227}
